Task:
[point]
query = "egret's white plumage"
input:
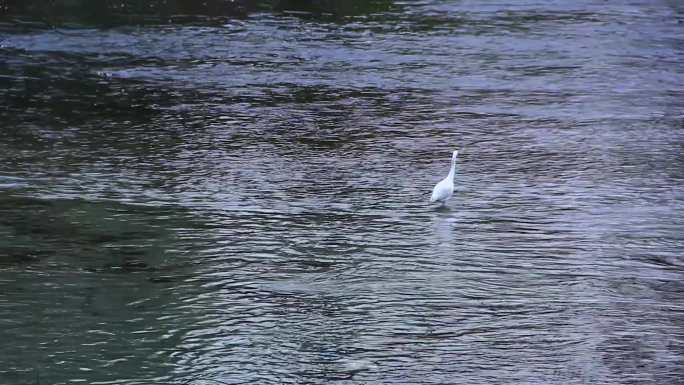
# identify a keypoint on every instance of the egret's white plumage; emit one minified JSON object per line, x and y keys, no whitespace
{"x":445,"y":188}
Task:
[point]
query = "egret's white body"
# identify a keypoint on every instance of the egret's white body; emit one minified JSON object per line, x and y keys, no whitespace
{"x":445,"y":188}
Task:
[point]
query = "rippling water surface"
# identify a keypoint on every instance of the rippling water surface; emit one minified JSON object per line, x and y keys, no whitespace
{"x":246,"y":201}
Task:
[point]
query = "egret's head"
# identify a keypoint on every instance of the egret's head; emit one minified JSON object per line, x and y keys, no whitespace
{"x":455,"y":154}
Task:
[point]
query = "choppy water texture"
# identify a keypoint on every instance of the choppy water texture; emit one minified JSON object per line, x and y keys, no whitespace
{"x":246,"y":201}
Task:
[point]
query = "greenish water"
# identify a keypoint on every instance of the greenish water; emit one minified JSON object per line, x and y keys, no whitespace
{"x":244,"y":199}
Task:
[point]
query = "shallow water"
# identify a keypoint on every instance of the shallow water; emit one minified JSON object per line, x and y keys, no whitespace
{"x":246,"y":201}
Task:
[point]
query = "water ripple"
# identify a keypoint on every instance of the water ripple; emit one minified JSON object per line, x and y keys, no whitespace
{"x":245,"y":200}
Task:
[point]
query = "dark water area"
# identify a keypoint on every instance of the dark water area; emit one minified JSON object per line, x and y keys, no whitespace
{"x":244,"y":198}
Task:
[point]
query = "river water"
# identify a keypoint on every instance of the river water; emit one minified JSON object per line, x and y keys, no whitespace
{"x":246,"y":201}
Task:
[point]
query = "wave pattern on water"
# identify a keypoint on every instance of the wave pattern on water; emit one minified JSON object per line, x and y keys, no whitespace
{"x":247,"y":202}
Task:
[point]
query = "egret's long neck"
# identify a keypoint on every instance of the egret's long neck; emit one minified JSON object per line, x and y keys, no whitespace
{"x":453,"y":168}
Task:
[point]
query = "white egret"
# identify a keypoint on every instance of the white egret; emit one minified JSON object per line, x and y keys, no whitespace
{"x":445,"y":188}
